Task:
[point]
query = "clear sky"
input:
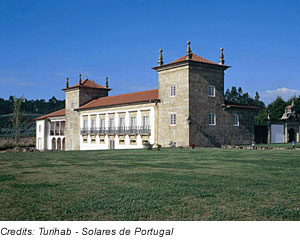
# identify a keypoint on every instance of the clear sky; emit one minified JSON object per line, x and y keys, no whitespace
{"x":44,"y":41}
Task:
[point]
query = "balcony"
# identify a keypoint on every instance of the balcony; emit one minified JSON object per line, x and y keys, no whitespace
{"x":141,"y":130}
{"x":57,"y":132}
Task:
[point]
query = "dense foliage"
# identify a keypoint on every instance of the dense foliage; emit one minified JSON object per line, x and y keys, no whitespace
{"x":32,"y":106}
{"x":30,"y":110}
{"x":238,"y":96}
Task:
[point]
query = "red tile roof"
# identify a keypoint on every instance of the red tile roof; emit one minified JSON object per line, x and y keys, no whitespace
{"x":196,"y":58}
{"x":61,"y":112}
{"x":135,"y":97}
{"x":89,"y":84}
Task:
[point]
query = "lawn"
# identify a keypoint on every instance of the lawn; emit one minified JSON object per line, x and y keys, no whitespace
{"x":171,"y":184}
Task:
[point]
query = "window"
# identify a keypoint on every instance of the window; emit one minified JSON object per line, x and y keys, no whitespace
{"x":93,"y":139}
{"x":93,"y":124}
{"x":132,"y":122}
{"x":121,"y":141}
{"x":111,"y":123}
{"x":172,"y":91}
{"x":212,"y":119}
{"x":85,"y":140}
{"x":102,"y":141}
{"x":173,"y":119}
{"x":72,"y":106}
{"x":211,"y":91}
{"x":132,"y":142}
{"x":40,"y":128}
{"x":145,"y":142}
{"x":122,"y":122}
{"x":145,"y":121}
{"x":85,"y":124}
{"x":236,"y":120}
{"x":102,"y":123}
{"x":71,"y":126}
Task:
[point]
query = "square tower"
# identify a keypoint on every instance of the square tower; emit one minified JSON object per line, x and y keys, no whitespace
{"x":191,"y":91}
{"x":76,"y":96}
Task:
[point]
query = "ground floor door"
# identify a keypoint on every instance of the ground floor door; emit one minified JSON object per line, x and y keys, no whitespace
{"x":111,"y":144}
{"x":40,"y":144}
{"x":291,"y":133}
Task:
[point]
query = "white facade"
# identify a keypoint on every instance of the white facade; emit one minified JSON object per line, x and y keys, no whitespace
{"x":40,"y":135}
{"x":121,"y":137}
{"x":50,"y":134}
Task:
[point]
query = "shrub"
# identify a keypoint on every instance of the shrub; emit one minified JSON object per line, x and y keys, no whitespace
{"x":148,"y":146}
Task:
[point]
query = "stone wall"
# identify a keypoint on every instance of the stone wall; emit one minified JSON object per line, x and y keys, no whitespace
{"x":179,"y":105}
{"x":202,"y":76}
{"x":192,"y":101}
{"x":224,"y":132}
{"x":78,"y":96}
{"x":72,"y":119}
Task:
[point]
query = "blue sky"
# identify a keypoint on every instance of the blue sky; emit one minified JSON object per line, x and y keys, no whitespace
{"x":44,"y":41}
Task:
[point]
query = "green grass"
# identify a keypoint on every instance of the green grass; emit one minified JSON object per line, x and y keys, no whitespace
{"x":171,"y":184}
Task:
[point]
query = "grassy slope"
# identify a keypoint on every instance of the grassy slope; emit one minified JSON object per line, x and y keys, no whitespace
{"x":171,"y":184}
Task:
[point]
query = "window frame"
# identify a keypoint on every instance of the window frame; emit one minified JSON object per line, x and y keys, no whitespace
{"x":102,"y":121}
{"x":214,"y":91}
{"x":145,"y":117}
{"x":111,"y":123}
{"x":173,"y":119}
{"x":214,"y":118}
{"x":238,"y":120}
{"x":172,"y":93}
{"x":131,"y":122}
{"x":122,"y":122}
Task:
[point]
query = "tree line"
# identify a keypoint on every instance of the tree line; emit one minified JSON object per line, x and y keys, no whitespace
{"x":275,"y":109}
{"x":40,"y":106}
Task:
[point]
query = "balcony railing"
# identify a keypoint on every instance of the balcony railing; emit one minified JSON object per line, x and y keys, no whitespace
{"x":57,"y":132}
{"x":142,"y":130}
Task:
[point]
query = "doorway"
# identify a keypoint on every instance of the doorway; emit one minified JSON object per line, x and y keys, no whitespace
{"x":111,"y":144}
{"x":291,"y":135}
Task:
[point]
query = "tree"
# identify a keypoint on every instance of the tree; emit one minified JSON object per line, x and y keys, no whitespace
{"x":260,"y":118}
{"x":16,"y":117}
{"x":239,"y":97}
{"x":276,"y":108}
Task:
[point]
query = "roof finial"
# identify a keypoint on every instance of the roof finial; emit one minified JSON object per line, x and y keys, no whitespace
{"x":79,"y":80}
{"x":106,"y":82}
{"x":67,"y":83}
{"x":188,"y":51}
{"x":221,"y":59}
{"x":160,"y":58}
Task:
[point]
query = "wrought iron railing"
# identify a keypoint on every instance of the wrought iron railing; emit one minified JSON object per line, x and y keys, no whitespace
{"x":142,"y":130}
{"x":57,"y":132}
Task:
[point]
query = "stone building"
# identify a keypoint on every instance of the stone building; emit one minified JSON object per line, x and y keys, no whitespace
{"x":188,"y":108}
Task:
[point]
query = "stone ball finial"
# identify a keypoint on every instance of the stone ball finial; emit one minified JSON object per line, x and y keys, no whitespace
{"x":221,"y":58}
{"x":67,"y":83}
{"x":160,"y":58}
{"x":188,"y":50}
{"x":106,"y":82}
{"x":79,"y":80}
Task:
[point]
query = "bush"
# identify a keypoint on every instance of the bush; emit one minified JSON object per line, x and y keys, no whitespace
{"x":148,"y":146}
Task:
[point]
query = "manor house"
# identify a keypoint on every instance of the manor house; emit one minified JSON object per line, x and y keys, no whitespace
{"x":188,"y":108}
